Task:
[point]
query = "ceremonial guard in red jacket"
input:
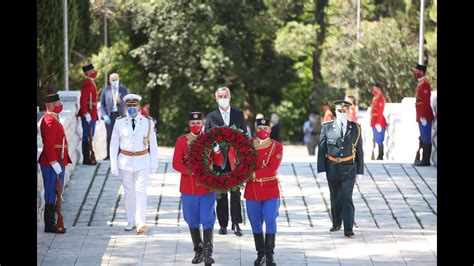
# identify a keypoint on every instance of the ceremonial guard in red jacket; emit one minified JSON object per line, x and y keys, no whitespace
{"x":53,"y":158}
{"x":262,"y":193}
{"x":198,"y":201}
{"x":377,"y":119}
{"x":88,"y":109}
{"x":424,"y":114}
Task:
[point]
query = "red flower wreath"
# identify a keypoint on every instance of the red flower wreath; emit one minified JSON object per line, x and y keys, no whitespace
{"x":245,"y":159}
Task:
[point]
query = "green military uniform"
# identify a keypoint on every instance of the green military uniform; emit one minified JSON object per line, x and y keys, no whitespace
{"x":342,"y":159}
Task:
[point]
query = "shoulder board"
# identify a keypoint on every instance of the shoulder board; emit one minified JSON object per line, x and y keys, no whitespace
{"x":120,"y":117}
{"x":328,"y":122}
{"x":149,"y":117}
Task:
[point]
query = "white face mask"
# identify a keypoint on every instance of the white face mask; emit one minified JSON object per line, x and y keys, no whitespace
{"x":223,"y":103}
{"x":341,"y":116}
{"x":115,"y":83}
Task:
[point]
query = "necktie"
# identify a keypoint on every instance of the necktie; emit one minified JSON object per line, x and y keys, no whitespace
{"x":342,"y":131}
{"x":133,"y":123}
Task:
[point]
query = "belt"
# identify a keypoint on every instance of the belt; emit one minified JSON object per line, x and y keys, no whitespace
{"x":59,"y":146}
{"x":265,"y":179}
{"x":338,"y":160}
{"x":133,"y":153}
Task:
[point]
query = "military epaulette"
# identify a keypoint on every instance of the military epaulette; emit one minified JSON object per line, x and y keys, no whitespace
{"x":149,"y":117}
{"x":120,"y":117}
{"x":328,"y":122}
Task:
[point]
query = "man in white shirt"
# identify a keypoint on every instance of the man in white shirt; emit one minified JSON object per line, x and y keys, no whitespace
{"x":134,"y":136}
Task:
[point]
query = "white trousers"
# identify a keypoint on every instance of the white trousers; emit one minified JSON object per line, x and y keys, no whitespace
{"x":135,"y":184}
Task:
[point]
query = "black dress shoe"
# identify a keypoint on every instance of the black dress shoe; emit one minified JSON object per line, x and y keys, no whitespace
{"x":335,"y":228}
{"x":223,"y":231}
{"x":348,"y":233}
{"x":237,"y":230}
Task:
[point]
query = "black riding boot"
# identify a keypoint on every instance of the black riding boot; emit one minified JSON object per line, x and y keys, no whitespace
{"x":207,"y":252}
{"x":49,"y":218}
{"x":85,"y":152}
{"x":269,"y":247}
{"x":380,"y":157}
{"x":260,"y":247}
{"x":425,"y":161}
{"x":197,"y":243}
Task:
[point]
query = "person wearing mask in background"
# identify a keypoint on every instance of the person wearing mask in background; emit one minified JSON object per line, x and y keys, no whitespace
{"x":112,"y":105}
{"x":341,"y":161}
{"x":134,"y":137}
{"x":88,"y":110}
{"x":50,"y":160}
{"x":353,"y":109}
{"x":275,"y":124}
{"x":424,"y":113}
{"x":377,"y":119}
{"x":311,"y":130}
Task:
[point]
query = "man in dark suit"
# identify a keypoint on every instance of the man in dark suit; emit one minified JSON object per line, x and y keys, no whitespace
{"x":341,"y":160}
{"x":226,"y":116}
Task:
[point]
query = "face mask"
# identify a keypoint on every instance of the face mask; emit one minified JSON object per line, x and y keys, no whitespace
{"x":58,"y":108}
{"x":341,"y":116}
{"x":223,"y":102}
{"x":263,"y":134}
{"x":312,"y":119}
{"x":417,"y":74}
{"x":115,"y":83}
{"x":196,"y":129}
{"x":374,"y":91}
{"x":132,"y":111}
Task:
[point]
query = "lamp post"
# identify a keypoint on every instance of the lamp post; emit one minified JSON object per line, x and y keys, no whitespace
{"x":107,"y":7}
{"x":422,"y":30}
{"x":358,"y":20}
{"x":66,"y":73}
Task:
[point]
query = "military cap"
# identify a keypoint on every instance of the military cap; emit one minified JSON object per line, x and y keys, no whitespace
{"x":87,"y":67}
{"x":195,"y":116}
{"x":263,"y":122}
{"x":421,"y":67}
{"x":51,"y":98}
{"x":132,"y":98}
{"x":342,"y":104}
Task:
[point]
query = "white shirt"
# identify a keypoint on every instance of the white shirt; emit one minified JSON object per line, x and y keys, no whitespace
{"x":126,"y":138}
{"x":225,"y":115}
{"x":114,"y":94}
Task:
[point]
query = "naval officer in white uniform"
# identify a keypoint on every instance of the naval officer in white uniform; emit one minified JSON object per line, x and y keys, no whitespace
{"x":133,"y":157}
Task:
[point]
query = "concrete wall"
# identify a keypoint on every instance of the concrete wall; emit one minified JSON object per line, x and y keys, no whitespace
{"x":73,"y":129}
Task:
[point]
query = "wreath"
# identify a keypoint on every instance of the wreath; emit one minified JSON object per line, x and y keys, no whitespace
{"x":246,"y":157}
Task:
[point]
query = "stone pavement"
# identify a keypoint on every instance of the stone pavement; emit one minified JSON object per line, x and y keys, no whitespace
{"x":395,"y":202}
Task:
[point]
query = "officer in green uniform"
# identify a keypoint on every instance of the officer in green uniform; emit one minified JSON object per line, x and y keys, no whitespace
{"x":341,"y":160}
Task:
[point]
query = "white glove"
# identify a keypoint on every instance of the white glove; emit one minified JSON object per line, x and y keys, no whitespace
{"x":423,"y":121}
{"x":114,"y":172}
{"x":88,"y":117}
{"x":358,"y":177}
{"x":57,"y":168}
{"x":217,"y":148}
{"x":106,"y":119}
{"x":153,"y":171}
{"x":378,"y":127}
{"x":321,"y":175}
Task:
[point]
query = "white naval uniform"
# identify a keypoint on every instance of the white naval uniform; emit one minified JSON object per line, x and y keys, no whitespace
{"x":134,"y":170}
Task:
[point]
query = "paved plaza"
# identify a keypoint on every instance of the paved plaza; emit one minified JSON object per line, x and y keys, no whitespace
{"x":395,"y":203}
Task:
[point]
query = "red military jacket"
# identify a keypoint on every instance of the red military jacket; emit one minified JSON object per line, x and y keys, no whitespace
{"x":52,"y":133}
{"x":188,"y":184}
{"x":376,"y":113}
{"x":88,"y":92}
{"x":269,"y":157}
{"x":423,"y":101}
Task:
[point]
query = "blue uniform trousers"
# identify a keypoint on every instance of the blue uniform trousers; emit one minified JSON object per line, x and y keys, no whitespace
{"x":49,"y":182}
{"x":263,"y":211}
{"x":199,"y":209}
{"x":425,"y":132}
{"x":85,"y":129}
{"x":379,"y":136}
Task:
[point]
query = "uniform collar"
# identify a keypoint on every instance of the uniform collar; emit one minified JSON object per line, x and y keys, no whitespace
{"x":53,"y":114}
{"x":265,"y":144}
{"x":222,"y":111}
{"x":137,"y":117}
